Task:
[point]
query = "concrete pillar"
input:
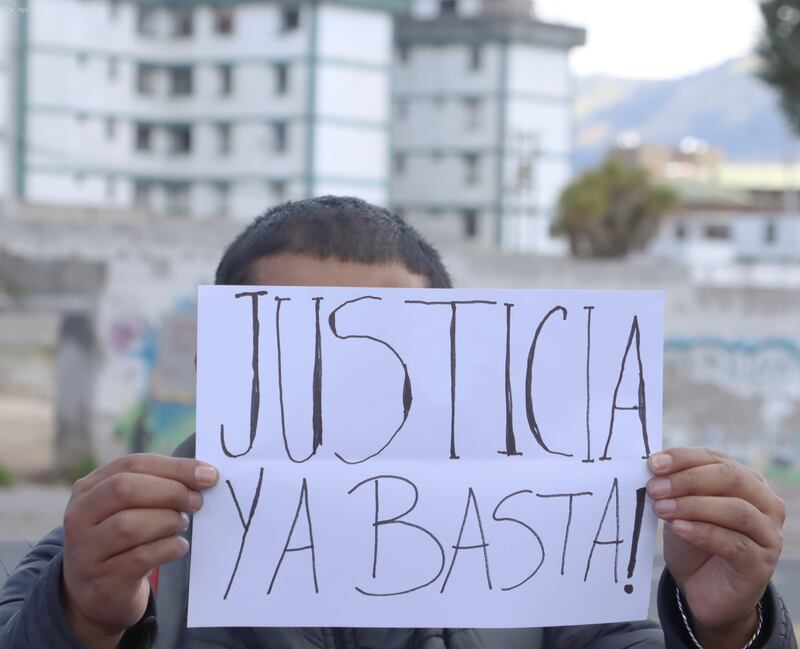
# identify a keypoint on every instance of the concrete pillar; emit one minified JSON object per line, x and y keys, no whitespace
{"x":76,"y":367}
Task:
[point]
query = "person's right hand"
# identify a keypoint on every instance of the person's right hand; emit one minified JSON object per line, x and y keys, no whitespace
{"x":123,"y":520}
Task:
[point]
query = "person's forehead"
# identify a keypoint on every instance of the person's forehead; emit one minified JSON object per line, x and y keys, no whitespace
{"x":294,"y":269}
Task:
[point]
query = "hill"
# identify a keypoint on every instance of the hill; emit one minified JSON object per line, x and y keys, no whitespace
{"x":727,"y":105}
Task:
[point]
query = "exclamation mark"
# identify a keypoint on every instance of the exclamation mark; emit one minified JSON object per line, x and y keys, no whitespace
{"x":637,"y":528}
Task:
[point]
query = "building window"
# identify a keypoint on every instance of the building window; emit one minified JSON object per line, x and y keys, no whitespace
{"x":145,"y":79}
{"x":141,"y":194}
{"x":180,"y":81}
{"x":182,"y":23}
{"x":475,"y":57}
{"x":470,"y":218}
{"x":281,"y":78}
{"x":146,"y":21}
{"x":680,"y":232}
{"x":180,"y":139}
{"x":471,"y":162}
{"x":770,"y":233}
{"x":399,"y":164}
{"x":280,"y":137}
{"x":402,"y":108}
{"x":223,"y":196}
{"x":278,"y":190}
{"x":223,"y":21}
{"x":177,"y":198}
{"x":144,"y":137}
{"x":472,"y":108}
{"x":111,"y":128}
{"x":225,"y":79}
{"x":111,"y":188}
{"x":223,"y":139}
{"x":448,"y":7}
{"x":717,"y":232}
{"x":113,"y":68}
{"x":403,"y":52}
{"x":290,"y":19}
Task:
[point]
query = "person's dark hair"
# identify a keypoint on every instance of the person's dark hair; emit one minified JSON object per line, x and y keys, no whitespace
{"x":327,"y":227}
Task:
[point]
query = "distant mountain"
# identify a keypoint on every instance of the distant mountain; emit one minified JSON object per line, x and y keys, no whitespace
{"x":727,"y":105}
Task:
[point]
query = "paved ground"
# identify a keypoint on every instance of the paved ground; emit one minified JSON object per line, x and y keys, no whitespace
{"x":30,"y":512}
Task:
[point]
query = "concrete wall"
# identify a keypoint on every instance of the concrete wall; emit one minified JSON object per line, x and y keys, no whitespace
{"x":732,"y":349}
{"x":151,"y":270}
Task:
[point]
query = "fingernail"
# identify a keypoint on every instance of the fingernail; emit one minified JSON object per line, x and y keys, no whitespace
{"x":660,"y":461}
{"x":659,"y":487}
{"x":663,"y":507}
{"x":206,"y":474}
{"x":184,"y":545}
{"x":681,"y":527}
{"x":195,"y":501}
{"x":184,"y":521}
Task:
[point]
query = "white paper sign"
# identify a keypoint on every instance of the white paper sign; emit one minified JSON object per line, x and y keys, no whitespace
{"x":425,"y":458}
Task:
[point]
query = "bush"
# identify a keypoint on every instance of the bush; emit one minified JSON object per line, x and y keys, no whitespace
{"x":84,"y":467}
{"x":6,"y":479}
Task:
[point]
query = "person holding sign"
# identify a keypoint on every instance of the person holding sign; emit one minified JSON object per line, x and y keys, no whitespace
{"x":86,"y":585}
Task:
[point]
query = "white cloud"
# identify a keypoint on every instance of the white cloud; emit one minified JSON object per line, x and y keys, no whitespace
{"x":656,"y":39}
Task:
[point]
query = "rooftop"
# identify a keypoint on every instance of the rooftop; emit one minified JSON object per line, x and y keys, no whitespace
{"x":768,"y":176}
{"x":488,"y":27}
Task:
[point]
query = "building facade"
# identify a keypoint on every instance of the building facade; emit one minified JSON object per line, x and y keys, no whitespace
{"x":729,"y":212}
{"x":456,"y":113}
{"x":8,"y":97}
{"x":208,"y":109}
{"x":482,"y":124}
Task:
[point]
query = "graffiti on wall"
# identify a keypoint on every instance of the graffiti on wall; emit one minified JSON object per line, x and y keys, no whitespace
{"x":742,"y":395}
{"x":161,"y":356}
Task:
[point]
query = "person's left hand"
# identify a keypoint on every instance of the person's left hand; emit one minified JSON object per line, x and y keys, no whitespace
{"x":723,"y":535}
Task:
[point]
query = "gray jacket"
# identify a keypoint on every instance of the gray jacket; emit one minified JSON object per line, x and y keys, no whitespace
{"x":32,"y":617}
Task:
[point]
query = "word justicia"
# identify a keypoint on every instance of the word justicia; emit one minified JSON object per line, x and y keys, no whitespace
{"x":628,"y":369}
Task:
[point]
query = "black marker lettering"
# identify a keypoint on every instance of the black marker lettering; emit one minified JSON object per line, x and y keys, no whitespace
{"x":569,"y":519}
{"x":537,"y":434}
{"x":511,"y":440}
{"x":588,"y":310}
{"x":316,"y":390}
{"x":301,"y":503}
{"x":616,"y":541}
{"x":407,"y":396}
{"x":453,"y":319}
{"x":640,"y":406}
{"x":482,"y":545}
{"x":255,"y":390}
{"x":637,"y":529}
{"x":396,"y":520}
{"x":245,"y":524}
{"x":500,"y":519}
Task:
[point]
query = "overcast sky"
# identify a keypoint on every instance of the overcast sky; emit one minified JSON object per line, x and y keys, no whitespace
{"x":656,"y":39}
